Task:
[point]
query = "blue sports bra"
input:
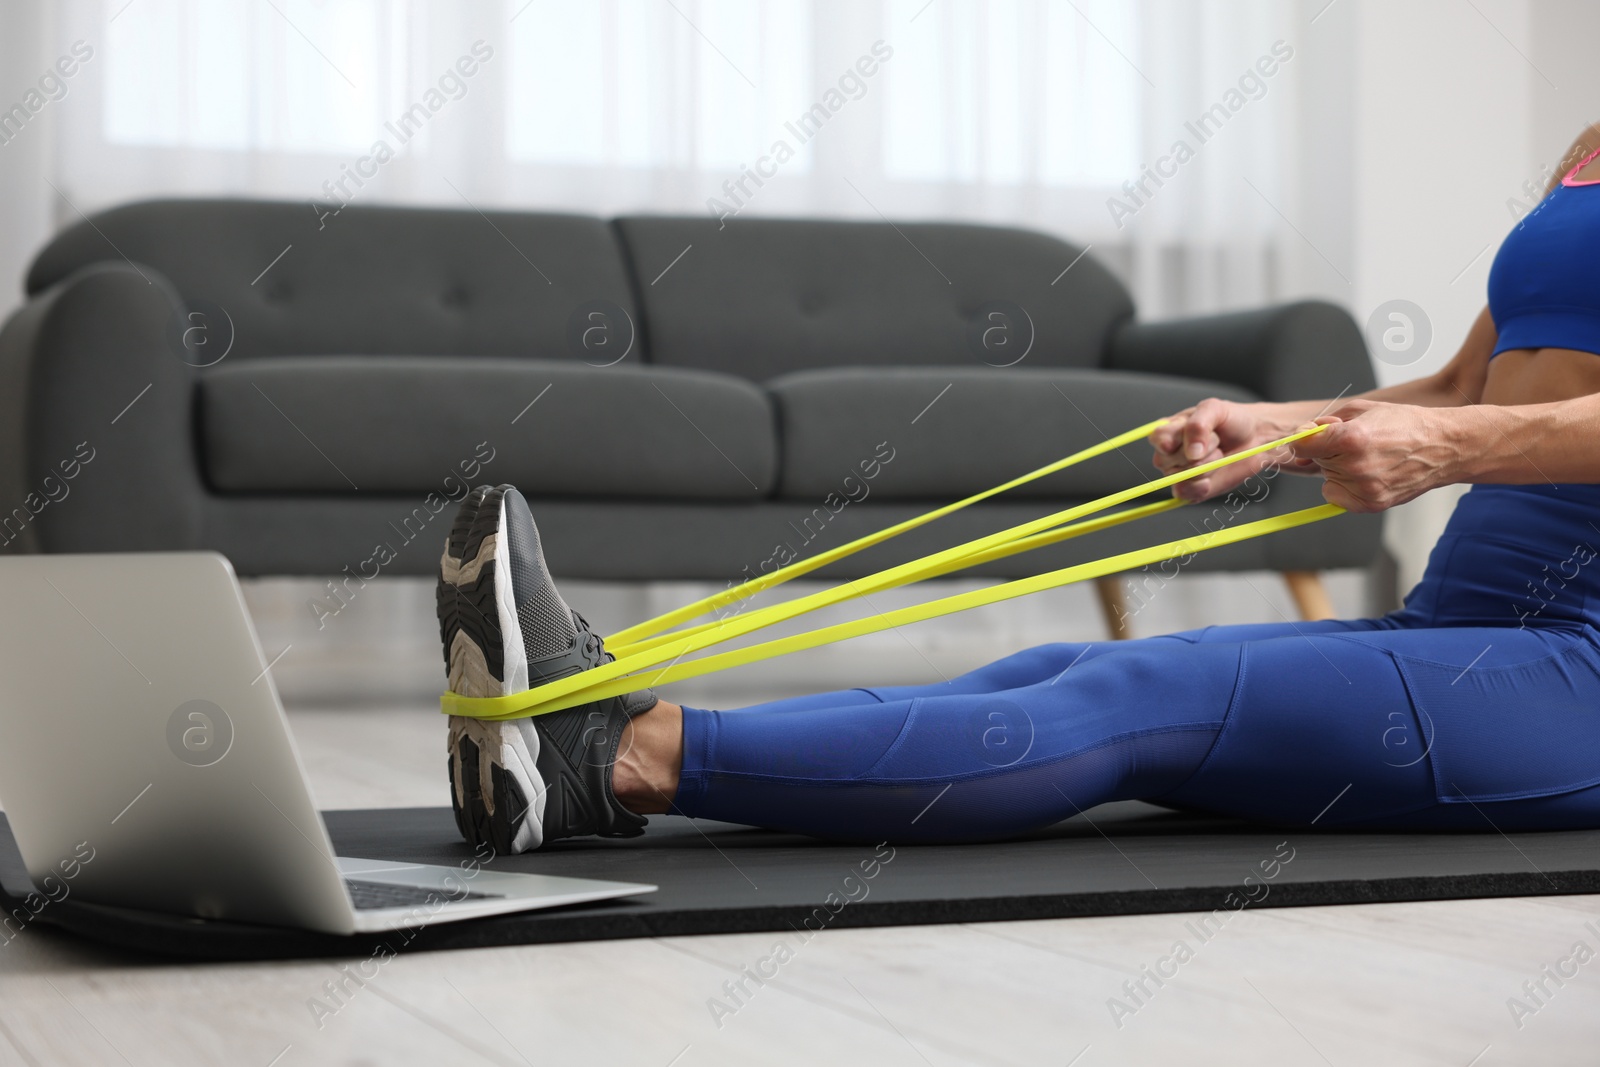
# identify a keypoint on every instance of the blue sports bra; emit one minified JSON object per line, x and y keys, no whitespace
{"x":1542,"y":289}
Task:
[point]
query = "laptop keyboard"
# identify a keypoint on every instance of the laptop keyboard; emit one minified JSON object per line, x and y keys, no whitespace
{"x":370,"y":896}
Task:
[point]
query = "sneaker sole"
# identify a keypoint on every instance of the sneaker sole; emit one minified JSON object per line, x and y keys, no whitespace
{"x":496,"y":790}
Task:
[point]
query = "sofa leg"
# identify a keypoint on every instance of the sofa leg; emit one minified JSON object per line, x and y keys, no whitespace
{"x":1309,"y":595}
{"x":1114,"y":606}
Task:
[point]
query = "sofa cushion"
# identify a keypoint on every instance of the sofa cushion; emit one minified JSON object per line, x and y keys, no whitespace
{"x":342,"y":424}
{"x":293,"y":278}
{"x":764,"y":297}
{"x":956,"y":431}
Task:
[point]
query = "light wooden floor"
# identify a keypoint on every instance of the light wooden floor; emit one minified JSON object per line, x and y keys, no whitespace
{"x":1369,"y":985}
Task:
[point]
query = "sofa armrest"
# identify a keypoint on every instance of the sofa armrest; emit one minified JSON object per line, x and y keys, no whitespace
{"x":96,"y":435}
{"x":1302,"y":351}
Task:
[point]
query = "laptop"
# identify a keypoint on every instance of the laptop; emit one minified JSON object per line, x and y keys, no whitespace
{"x":146,"y":762}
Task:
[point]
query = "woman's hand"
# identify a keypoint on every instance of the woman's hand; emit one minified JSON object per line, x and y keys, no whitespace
{"x":1215,"y":428}
{"x":1377,"y":455}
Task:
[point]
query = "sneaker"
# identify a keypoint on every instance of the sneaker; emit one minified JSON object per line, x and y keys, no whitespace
{"x":521,"y":784}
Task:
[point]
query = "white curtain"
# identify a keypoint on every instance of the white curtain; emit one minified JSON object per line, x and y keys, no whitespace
{"x":1024,"y":112}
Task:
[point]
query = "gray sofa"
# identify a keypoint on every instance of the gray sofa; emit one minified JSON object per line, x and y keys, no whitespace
{"x":308,"y":392}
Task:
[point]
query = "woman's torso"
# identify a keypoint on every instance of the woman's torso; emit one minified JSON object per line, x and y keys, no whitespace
{"x":1529,"y":555}
{"x":1544,"y":296}
{"x":1541,"y":376}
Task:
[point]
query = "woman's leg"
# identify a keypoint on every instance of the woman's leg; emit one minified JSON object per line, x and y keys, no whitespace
{"x":1373,"y":723}
{"x":1356,"y":723}
{"x":650,"y":755}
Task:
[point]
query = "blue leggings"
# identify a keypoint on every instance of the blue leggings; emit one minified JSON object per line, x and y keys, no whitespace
{"x":1477,"y":706}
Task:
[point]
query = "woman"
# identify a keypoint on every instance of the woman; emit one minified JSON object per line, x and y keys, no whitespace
{"x":1475,"y":706}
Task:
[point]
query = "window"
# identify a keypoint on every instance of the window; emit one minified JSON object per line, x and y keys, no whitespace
{"x":257,"y":76}
{"x":1007,"y":92}
{"x":1012,"y":91}
{"x":683,"y":85}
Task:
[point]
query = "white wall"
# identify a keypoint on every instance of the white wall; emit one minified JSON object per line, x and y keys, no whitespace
{"x":1442,"y":117}
{"x":1561,"y":42}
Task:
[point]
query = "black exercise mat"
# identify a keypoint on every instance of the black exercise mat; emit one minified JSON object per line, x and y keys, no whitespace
{"x":717,"y":878}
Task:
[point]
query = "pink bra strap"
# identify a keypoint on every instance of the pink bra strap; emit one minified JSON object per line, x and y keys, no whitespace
{"x":1584,"y":162}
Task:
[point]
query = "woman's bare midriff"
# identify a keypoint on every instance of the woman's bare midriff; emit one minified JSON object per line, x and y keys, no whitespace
{"x":1541,"y":376}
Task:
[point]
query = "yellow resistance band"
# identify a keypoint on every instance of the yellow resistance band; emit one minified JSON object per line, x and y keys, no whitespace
{"x":980,"y":550}
{"x":1007,"y":542}
{"x":623,"y":640}
{"x":619,"y":676}
{"x":870,"y":585}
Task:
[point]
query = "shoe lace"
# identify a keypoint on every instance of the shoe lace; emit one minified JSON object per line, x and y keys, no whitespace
{"x":594,"y":646}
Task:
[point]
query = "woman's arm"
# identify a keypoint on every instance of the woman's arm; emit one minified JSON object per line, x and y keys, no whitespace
{"x":1215,"y":428}
{"x":1377,"y":455}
